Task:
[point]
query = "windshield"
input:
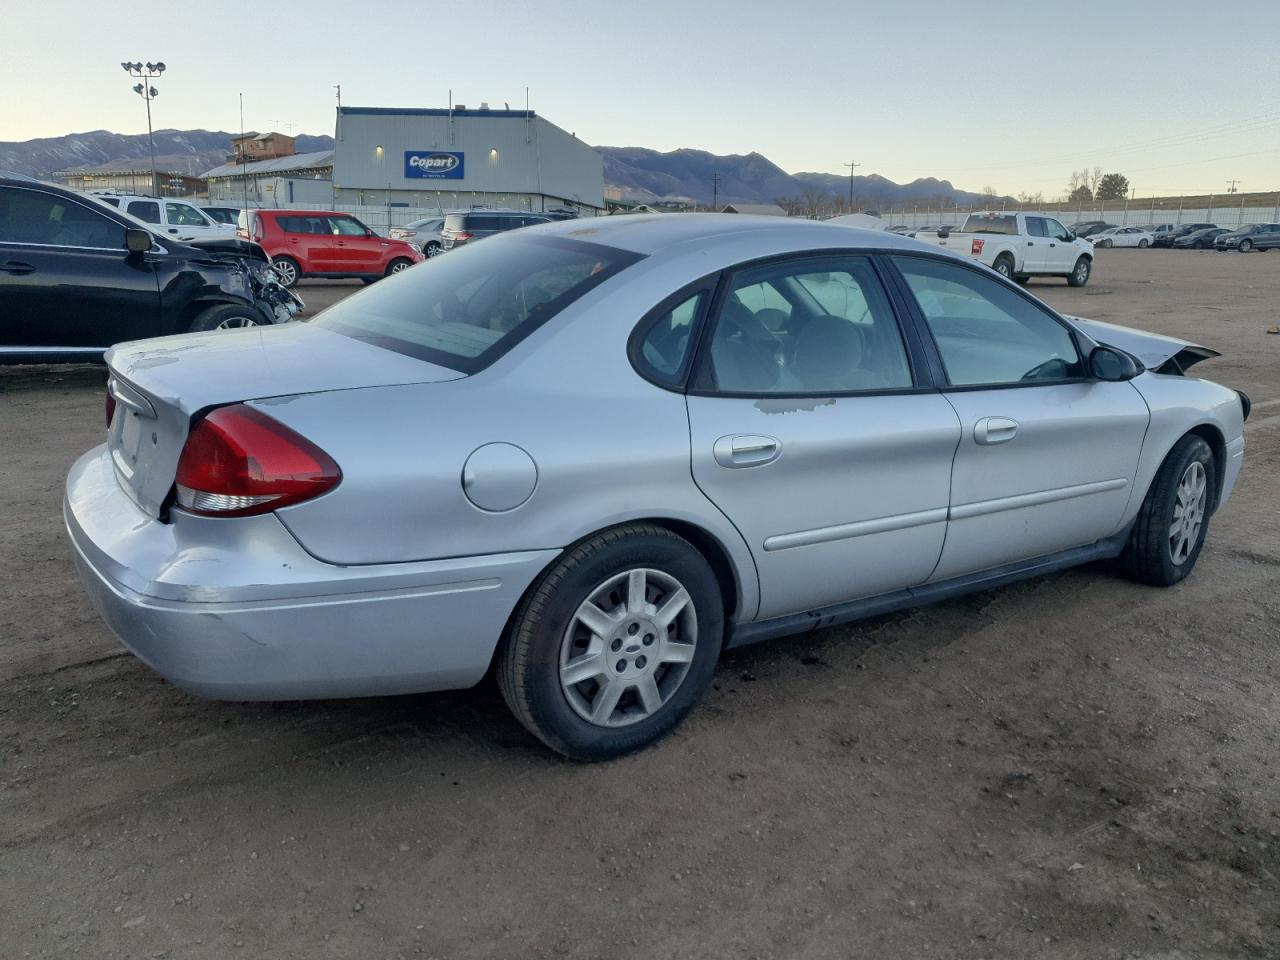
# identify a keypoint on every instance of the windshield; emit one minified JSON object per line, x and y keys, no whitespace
{"x":991,"y":223}
{"x":467,"y":309}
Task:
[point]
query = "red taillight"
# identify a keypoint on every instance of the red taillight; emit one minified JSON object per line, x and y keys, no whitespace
{"x":238,"y":462}
{"x":461,"y":235}
{"x":111,"y":405}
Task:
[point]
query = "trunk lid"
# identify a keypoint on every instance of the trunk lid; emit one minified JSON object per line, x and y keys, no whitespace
{"x":1155,"y":350}
{"x":160,"y":384}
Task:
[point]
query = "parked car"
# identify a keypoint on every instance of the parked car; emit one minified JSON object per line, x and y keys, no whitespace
{"x":1122,"y":237}
{"x":1169,"y":239}
{"x":462,"y":228}
{"x":1263,"y":236}
{"x":386,"y":499}
{"x":1086,"y":227}
{"x":1198,"y":239}
{"x":321,"y":243}
{"x":1020,"y":246}
{"x":424,"y":234}
{"x":177,"y":218}
{"x":77,"y":276}
{"x":227,"y":215}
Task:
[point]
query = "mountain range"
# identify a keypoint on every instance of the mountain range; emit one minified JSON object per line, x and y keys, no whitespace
{"x":639,"y":173}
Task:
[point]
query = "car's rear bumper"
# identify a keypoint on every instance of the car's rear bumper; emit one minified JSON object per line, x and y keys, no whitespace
{"x":236,"y":609}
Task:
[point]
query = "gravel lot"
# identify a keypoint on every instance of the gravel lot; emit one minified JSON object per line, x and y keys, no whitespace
{"x":1072,"y":767}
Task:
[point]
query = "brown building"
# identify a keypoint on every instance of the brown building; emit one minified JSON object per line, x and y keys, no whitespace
{"x":125,"y":176}
{"x":260,"y":146}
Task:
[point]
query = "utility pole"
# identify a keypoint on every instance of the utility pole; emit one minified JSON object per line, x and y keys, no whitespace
{"x":1233,"y":186}
{"x":852,"y":165}
{"x":244,"y":168}
{"x":715,"y":192}
{"x":146,"y":72}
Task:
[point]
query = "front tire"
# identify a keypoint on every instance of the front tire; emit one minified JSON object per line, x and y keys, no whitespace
{"x":228,"y":316}
{"x":1080,"y":273}
{"x":1245,"y":246}
{"x":615,"y":644}
{"x":1174,"y":518}
{"x":398,"y":265}
{"x":1106,"y":243}
{"x":287,"y":271}
{"x":1142,"y":244}
{"x":432,"y":249}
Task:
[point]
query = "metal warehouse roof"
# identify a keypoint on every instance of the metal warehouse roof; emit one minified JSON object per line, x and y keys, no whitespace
{"x":297,"y":161}
{"x":431,"y":112}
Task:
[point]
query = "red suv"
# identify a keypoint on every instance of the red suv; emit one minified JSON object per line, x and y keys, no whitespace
{"x":318,"y":243}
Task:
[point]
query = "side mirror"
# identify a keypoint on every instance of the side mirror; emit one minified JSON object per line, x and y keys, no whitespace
{"x":1068,"y":238}
{"x":1107,"y":363}
{"x":137,"y":241}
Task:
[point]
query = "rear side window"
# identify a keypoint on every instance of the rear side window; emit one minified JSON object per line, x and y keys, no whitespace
{"x":1035,"y":227}
{"x":32,"y":216}
{"x":115,"y":202}
{"x":303,"y":224}
{"x":148,"y":211}
{"x":991,"y":223}
{"x":988,"y":334}
{"x":665,"y":345}
{"x":483,"y":299}
{"x":813,"y":326}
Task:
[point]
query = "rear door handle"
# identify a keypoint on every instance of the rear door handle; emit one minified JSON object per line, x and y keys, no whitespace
{"x":991,"y":430}
{"x":746,"y":450}
{"x":17,"y":267}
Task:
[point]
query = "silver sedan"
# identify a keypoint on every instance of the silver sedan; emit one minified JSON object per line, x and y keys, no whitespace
{"x":592,"y":455}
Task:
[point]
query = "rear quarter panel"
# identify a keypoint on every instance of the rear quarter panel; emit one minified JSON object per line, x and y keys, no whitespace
{"x":609,"y":446}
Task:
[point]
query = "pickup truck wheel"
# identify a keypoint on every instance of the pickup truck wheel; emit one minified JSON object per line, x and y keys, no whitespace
{"x":227,"y":316}
{"x":1004,"y":265}
{"x":287,"y":271}
{"x":1079,"y":275}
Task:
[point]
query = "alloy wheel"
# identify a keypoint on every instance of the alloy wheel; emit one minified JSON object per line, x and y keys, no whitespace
{"x":1188,"y":512}
{"x":399,"y":266}
{"x":286,"y":271}
{"x":1082,"y":272}
{"x":235,"y":323}
{"x":628,"y":647}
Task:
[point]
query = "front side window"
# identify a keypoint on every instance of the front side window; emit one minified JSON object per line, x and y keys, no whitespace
{"x":148,"y":211}
{"x":348,"y":227}
{"x":183,"y":215}
{"x":484,"y":299}
{"x":31,"y":216}
{"x":1054,"y":230}
{"x":804,"y":327}
{"x":988,"y":334}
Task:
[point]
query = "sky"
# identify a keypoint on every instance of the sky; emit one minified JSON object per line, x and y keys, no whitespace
{"x":1179,"y":95}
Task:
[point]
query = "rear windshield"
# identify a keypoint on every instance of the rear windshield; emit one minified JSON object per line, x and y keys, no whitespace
{"x":465,"y":310}
{"x":990,"y":223}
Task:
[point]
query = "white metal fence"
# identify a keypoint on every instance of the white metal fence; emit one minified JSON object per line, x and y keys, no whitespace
{"x":1224,"y":214}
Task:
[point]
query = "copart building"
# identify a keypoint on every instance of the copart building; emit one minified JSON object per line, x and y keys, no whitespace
{"x":456,"y":158}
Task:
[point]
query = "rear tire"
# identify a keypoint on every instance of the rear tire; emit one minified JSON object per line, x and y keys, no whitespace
{"x":287,"y":271}
{"x":227,"y":316}
{"x":1080,"y":273}
{"x":1003,"y":265}
{"x":1174,"y":518}
{"x":598,"y":616}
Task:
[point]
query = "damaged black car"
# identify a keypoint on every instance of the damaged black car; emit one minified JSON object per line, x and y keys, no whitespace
{"x":78,"y":276}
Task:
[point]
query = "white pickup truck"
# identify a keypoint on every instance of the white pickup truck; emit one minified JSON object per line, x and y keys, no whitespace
{"x":1020,"y":246}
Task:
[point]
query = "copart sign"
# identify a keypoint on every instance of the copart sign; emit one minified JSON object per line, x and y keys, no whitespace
{"x":432,"y":165}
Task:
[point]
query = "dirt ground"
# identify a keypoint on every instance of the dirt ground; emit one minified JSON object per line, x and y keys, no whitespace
{"x":1071,"y":767}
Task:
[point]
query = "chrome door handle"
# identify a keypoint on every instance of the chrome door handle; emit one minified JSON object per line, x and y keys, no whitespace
{"x":746,"y":450}
{"x":991,"y":430}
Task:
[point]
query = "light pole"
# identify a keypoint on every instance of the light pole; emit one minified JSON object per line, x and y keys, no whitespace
{"x":852,"y":167}
{"x":147,"y":72}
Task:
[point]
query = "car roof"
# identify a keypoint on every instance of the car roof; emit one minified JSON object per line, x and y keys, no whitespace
{"x":649,"y":233}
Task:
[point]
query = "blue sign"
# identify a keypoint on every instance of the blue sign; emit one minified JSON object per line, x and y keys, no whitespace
{"x":432,"y":165}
